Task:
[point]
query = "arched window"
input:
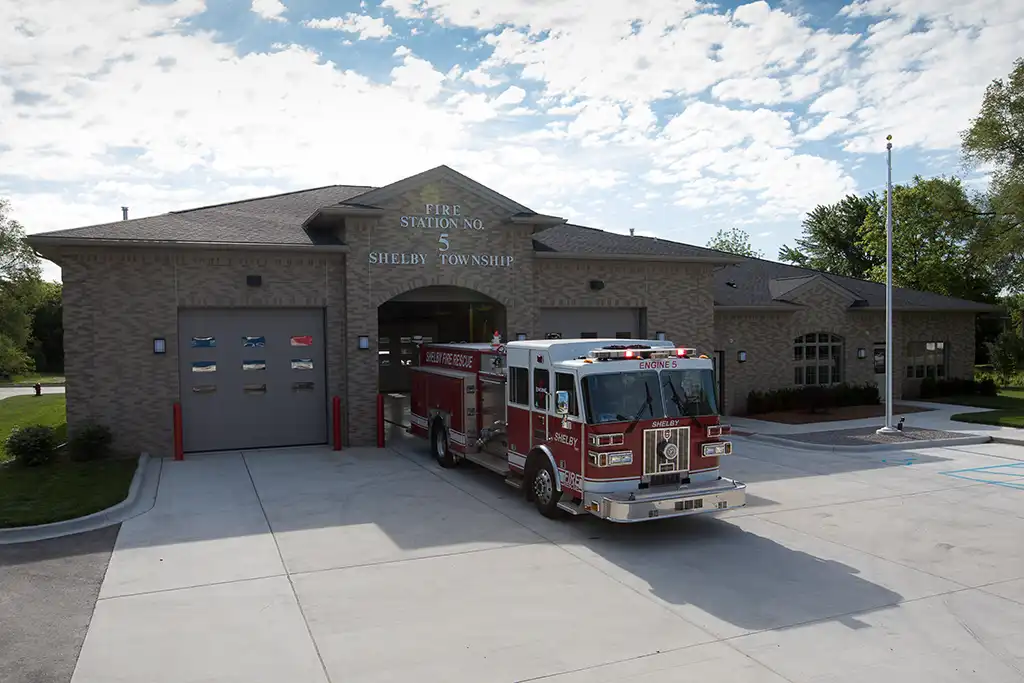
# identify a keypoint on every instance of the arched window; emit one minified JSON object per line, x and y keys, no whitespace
{"x":817,"y":359}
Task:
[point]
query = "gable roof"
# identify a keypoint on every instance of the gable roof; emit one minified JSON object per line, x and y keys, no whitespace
{"x":276,"y":219}
{"x":572,"y":239}
{"x":751,"y":286}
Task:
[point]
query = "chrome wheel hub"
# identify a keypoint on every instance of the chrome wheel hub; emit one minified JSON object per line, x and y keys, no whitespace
{"x":543,"y":487}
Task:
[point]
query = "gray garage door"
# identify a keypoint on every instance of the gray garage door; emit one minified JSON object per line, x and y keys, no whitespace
{"x":574,"y":323}
{"x":252,"y":378}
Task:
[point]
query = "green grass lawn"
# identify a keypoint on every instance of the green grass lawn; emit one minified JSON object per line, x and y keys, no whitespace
{"x":22,"y":411}
{"x":1007,"y":409}
{"x":62,"y":489}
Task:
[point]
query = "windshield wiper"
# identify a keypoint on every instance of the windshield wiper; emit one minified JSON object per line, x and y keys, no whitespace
{"x":675,"y":398}
{"x":648,"y":403}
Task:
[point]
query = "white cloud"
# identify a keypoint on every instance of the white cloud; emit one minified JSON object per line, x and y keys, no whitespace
{"x":513,"y":95}
{"x":555,"y":104}
{"x":753,"y":90}
{"x":269,"y":9}
{"x":366,"y":27}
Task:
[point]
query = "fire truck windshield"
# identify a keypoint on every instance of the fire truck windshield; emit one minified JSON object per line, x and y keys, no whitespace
{"x":621,"y":397}
{"x":689,"y":393}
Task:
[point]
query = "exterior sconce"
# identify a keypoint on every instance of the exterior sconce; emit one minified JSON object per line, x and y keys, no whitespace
{"x":364,"y":342}
{"x":520,"y":336}
{"x":862,"y":354}
{"x":159,"y":346}
{"x":660,"y":336}
{"x":741,"y":356}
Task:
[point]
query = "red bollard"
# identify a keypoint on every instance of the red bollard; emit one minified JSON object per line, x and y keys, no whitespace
{"x":380,"y":420}
{"x":179,"y":448}
{"x":337,"y":422}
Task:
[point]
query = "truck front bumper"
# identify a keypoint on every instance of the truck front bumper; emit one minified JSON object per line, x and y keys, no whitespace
{"x":692,"y":499}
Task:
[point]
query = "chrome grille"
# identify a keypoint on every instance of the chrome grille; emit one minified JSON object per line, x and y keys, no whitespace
{"x":666,"y":450}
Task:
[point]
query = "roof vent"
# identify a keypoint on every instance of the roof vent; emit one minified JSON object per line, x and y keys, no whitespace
{"x":731,"y":283}
{"x":124,"y":213}
{"x":632,"y":232}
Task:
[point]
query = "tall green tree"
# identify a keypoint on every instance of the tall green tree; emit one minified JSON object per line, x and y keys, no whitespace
{"x":47,"y":343}
{"x":995,"y":139}
{"x":20,"y":293}
{"x":831,"y":239}
{"x":734,"y":241}
{"x":935,"y":224}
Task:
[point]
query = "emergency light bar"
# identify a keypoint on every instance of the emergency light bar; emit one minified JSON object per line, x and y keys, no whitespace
{"x":630,"y":354}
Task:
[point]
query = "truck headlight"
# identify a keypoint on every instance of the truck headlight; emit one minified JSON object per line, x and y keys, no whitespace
{"x":611,"y":459}
{"x":721,"y":448}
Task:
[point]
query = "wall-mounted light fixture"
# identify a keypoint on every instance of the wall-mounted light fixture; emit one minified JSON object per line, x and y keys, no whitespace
{"x":364,"y":342}
{"x":660,"y":336}
{"x":159,"y":346}
{"x":520,"y":336}
{"x":254,"y":280}
{"x":741,"y":356}
{"x":597,"y":285}
{"x":862,"y":354}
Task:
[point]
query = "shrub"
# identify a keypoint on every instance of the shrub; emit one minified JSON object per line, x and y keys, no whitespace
{"x":1007,"y":353}
{"x":91,"y":442}
{"x":32,"y":446}
{"x":812,"y":398}
{"x":988,"y":387}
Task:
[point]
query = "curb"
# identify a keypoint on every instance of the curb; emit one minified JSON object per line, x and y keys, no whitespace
{"x":1008,"y":440}
{"x":907,"y":445}
{"x":112,"y":515}
{"x":44,"y":385}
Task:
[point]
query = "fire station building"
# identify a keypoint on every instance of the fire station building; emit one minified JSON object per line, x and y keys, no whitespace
{"x":254,"y":315}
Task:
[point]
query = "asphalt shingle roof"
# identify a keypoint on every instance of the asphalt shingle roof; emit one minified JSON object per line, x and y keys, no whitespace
{"x":266,"y":220}
{"x":278,"y":219}
{"x":752,"y":288}
{"x":578,"y":239}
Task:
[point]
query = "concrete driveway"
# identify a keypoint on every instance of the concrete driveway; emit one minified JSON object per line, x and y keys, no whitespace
{"x":6,"y":392}
{"x":307,"y":566}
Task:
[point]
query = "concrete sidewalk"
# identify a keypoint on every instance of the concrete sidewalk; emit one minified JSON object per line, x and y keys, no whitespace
{"x":937,"y":418}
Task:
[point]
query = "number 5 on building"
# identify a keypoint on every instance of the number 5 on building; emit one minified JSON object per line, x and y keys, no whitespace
{"x":443,"y":241}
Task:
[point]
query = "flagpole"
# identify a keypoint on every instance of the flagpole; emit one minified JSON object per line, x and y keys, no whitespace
{"x":888,"y":428}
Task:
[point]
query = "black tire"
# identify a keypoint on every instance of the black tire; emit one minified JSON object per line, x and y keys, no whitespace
{"x":439,"y":447}
{"x":543,"y":490}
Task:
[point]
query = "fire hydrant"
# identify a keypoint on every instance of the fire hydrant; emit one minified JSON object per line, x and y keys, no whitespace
{"x":39,"y":388}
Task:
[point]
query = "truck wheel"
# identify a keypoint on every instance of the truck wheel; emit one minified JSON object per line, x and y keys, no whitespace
{"x":543,"y":490}
{"x":439,"y":445}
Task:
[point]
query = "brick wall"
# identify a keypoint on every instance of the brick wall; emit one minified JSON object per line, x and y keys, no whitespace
{"x":768,"y":340}
{"x":371,"y":284}
{"x":116,"y":301}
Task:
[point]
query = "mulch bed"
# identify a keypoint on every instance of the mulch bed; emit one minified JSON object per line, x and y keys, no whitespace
{"x":799,"y":417}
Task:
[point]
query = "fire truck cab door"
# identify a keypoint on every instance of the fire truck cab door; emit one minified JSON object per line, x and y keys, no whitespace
{"x":543,"y":396}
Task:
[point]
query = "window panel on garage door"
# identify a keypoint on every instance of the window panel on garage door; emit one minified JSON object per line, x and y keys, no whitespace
{"x":252,"y":378}
{"x":588,"y":323}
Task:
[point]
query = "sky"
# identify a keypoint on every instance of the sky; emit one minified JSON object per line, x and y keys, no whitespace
{"x":672,"y":117}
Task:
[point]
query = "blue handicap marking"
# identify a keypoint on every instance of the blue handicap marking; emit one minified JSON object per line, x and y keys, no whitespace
{"x":902,"y":462}
{"x":986,"y":475}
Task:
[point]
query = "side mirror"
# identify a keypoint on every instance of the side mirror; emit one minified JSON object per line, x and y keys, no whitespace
{"x":561,"y":402}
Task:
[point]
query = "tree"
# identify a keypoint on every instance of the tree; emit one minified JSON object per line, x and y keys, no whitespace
{"x":734,"y":241}
{"x":47,"y":343}
{"x":995,"y":139}
{"x":17,"y":259}
{"x":20,"y":293}
{"x":832,"y":240}
{"x":934,"y":226}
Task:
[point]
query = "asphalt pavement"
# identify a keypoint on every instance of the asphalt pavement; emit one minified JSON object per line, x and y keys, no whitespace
{"x":48,"y":590}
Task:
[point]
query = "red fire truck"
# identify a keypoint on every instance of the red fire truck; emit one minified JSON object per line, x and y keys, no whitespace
{"x":627,"y":430}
